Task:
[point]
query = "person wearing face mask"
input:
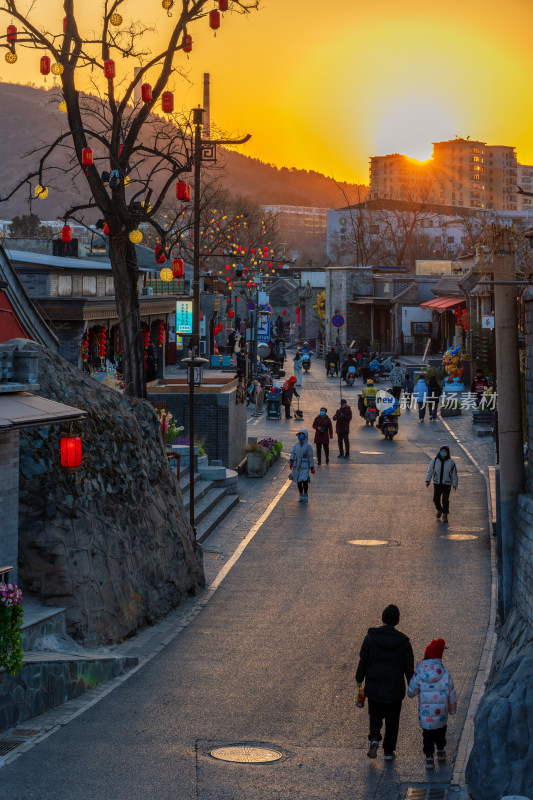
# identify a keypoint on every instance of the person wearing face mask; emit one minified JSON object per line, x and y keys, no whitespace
{"x":323,"y":433}
{"x":443,"y":471}
{"x":301,"y":464}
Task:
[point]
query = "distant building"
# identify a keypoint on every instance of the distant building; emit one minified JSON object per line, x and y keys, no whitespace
{"x":524,"y":179}
{"x":302,"y":229}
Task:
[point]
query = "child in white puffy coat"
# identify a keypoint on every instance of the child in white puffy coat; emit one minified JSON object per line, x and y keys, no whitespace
{"x":436,"y":699}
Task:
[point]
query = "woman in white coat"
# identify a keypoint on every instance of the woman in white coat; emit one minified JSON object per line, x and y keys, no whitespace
{"x":302,"y":462}
{"x":421,"y":392}
{"x":297,"y":361}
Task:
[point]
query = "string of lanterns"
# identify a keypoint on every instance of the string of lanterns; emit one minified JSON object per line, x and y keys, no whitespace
{"x":84,"y":346}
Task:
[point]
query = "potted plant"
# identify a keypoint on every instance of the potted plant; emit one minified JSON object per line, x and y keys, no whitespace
{"x":451,"y":408}
{"x":11,"y":615}
{"x":484,"y":412}
{"x":256,"y":459}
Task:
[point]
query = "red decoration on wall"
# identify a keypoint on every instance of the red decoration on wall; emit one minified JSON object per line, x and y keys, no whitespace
{"x":71,"y":452}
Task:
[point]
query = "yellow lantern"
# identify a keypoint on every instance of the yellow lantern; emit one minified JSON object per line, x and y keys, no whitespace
{"x":126,"y":180}
{"x":11,"y":57}
{"x":57,"y":68}
{"x":136,"y":237}
{"x":115,"y":19}
{"x":166,"y":274}
{"x":167,"y":4}
{"x":41,"y":192}
{"x":63,"y":107}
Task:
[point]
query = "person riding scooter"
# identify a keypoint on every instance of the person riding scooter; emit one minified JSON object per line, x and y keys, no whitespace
{"x":332,"y":360}
{"x":348,"y":362}
{"x":368,"y":396}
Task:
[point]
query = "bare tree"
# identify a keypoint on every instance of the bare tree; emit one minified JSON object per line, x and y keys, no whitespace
{"x":364,"y":238}
{"x":136,"y":156}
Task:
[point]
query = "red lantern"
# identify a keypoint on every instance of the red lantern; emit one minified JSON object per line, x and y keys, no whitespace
{"x":11,"y":33}
{"x":160,"y":255}
{"x":71,"y":452}
{"x":106,"y":229}
{"x":87,"y":157}
{"x":214,"y":19}
{"x":284,"y":312}
{"x":178,"y":267}
{"x":45,"y":65}
{"x":231,"y":313}
{"x":187,"y":47}
{"x":223,"y":5}
{"x":66,"y":233}
{"x":146,"y":93}
{"x":64,"y":24}
{"x":183,"y":191}
{"x":109,"y":68}
{"x":160,"y":333}
{"x":167,"y":102}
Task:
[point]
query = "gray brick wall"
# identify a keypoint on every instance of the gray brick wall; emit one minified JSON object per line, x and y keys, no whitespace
{"x":523,"y":563}
{"x":70,"y":335}
{"x":9,"y":500}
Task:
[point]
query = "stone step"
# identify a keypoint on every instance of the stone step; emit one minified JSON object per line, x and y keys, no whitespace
{"x":184,"y":480}
{"x":39,"y":621}
{"x":201,"y":488}
{"x":214,"y":517}
{"x":208,"y":502}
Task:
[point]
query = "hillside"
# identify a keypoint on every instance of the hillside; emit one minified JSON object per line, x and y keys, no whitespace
{"x":30,"y":119}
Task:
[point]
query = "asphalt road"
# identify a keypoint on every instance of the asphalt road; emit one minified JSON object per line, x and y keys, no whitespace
{"x":271,"y":658}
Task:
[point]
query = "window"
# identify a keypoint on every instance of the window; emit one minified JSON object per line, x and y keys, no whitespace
{"x":109,"y":286}
{"x":64,"y":285}
{"x":451,"y":239}
{"x":88,"y":285}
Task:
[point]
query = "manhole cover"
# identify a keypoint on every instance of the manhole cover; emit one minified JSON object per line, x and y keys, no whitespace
{"x":368,"y":542}
{"x":459,"y":537}
{"x":7,"y":746}
{"x":426,"y":794}
{"x":246,"y":754}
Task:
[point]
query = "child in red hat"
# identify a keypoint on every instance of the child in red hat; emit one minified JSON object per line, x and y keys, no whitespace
{"x":436,"y":699}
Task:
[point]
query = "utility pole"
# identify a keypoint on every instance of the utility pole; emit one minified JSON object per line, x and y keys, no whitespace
{"x":509,"y":404}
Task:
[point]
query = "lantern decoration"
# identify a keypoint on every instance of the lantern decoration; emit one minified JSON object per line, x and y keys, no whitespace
{"x":45,"y":65}
{"x":106,"y":229}
{"x":41,"y":192}
{"x":166,"y":274}
{"x":63,"y":107}
{"x":160,"y":255}
{"x":87,"y":159}
{"x":167,"y":102}
{"x":84,"y":346}
{"x":223,"y":5}
{"x":214,"y":20}
{"x":66,"y":233}
{"x":178,"y":268}
{"x":146,"y":336}
{"x":146,"y":93}
{"x":57,"y":68}
{"x":11,"y":57}
{"x":115,"y":19}
{"x":167,"y":4}
{"x":160,"y":333}
{"x":11,"y":33}
{"x":284,"y":312}
{"x":135,"y":237}
{"x":297,"y":310}
{"x":71,"y":452}
{"x":109,"y":68}
{"x":64,"y":24}
{"x":187,"y":47}
{"x":102,"y":341}
{"x":231,"y":313}
{"x":183,"y":191}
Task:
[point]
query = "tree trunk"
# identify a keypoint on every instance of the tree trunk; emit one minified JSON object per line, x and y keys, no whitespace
{"x":125,"y":273}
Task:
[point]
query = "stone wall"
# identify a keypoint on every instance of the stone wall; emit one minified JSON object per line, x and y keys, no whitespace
{"x":70,"y":335}
{"x":9,"y":478}
{"x":110,"y":543}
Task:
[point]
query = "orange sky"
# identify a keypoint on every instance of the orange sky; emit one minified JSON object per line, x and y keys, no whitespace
{"x":325,"y":85}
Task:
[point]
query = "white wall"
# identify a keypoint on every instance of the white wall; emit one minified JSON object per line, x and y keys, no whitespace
{"x":413,"y":314}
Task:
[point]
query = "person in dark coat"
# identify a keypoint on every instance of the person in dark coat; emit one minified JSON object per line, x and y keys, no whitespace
{"x":434,"y":393}
{"x":386,"y":663}
{"x":342,"y":417}
{"x":332,"y":357}
{"x":323,"y":433}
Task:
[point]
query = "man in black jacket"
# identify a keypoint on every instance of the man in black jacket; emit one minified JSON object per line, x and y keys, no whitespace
{"x":386,"y":661}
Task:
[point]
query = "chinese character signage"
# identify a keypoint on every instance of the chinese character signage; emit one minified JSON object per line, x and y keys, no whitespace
{"x":184,"y":316}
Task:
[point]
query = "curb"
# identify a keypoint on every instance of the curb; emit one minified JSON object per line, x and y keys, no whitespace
{"x":466,"y":741}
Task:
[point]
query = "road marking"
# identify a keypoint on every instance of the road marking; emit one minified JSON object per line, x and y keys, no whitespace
{"x":372,"y":452}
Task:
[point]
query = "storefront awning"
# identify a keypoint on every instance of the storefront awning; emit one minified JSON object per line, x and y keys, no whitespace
{"x":442,"y":304}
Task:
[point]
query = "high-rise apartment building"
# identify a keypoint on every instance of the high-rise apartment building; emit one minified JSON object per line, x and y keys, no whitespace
{"x":301,"y":227}
{"x":524,"y":179}
{"x":462,"y":173}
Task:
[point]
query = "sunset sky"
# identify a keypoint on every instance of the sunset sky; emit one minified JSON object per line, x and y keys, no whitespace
{"x":325,"y":85}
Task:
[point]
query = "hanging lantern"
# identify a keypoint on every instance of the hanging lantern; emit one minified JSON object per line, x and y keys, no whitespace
{"x":45,"y":65}
{"x":160,"y":255}
{"x":135,"y":237}
{"x":87,"y":157}
{"x":71,"y":452}
{"x":284,"y":312}
{"x":106,"y":229}
{"x":187,"y":47}
{"x":178,"y":267}
{"x":41,"y":192}
{"x":183,"y":191}
{"x":214,"y":19}
{"x":146,"y":93}
{"x":11,"y":33}
{"x":10,"y":57}
{"x":223,"y":5}
{"x":167,"y":102}
{"x":115,"y":19}
{"x":166,"y":274}
{"x":167,"y":4}
{"x":64,"y":24}
{"x":160,"y":333}
{"x":57,"y":68}
{"x":66,"y":233}
{"x":109,"y":69}
{"x":231,"y":313}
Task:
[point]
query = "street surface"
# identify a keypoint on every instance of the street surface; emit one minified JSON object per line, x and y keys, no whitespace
{"x":271,"y":658}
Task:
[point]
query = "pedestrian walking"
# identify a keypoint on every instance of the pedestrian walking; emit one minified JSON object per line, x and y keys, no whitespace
{"x":408,"y":387}
{"x":297,"y":361}
{"x":364,"y":363}
{"x":323,"y":433}
{"x":386,"y":662}
{"x":443,"y":471}
{"x":434,"y":686}
{"x":342,"y":417}
{"x":287,"y":393}
{"x":434,"y":393}
{"x":479,"y":385}
{"x":257,"y":396}
{"x":292,"y":332}
{"x":420,"y":393}
{"x":396,"y":378}
{"x":301,"y":464}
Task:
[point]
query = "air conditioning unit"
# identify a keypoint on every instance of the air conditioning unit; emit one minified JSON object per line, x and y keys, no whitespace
{"x":147,"y":291}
